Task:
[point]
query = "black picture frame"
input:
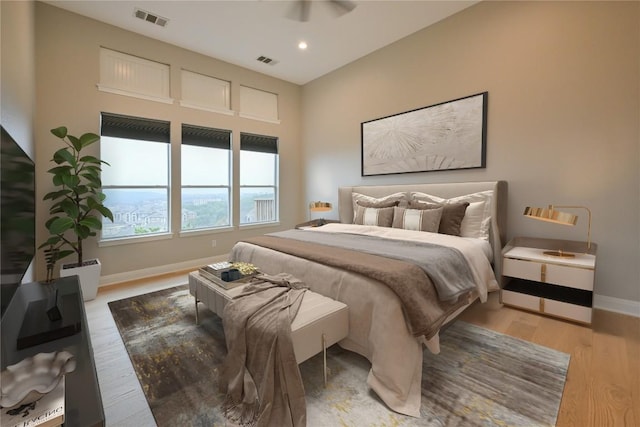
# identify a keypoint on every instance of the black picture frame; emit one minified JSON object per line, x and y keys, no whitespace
{"x":450,"y":135}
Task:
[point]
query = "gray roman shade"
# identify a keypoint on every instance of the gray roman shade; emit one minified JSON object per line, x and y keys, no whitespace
{"x":119,"y":126}
{"x":259,"y":143}
{"x":206,"y":137}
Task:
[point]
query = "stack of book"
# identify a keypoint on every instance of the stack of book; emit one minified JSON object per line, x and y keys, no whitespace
{"x":218,"y":274}
{"x":48,"y":411}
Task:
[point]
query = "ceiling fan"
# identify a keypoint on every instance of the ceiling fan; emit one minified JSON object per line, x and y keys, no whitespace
{"x":302,"y":8}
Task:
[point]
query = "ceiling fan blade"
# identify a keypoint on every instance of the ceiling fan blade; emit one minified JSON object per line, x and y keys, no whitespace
{"x":299,"y":10}
{"x":305,"y":8}
{"x":343,"y":6}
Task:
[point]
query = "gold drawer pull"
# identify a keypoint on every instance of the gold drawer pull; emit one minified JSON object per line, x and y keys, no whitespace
{"x":541,"y":305}
{"x":543,"y":273}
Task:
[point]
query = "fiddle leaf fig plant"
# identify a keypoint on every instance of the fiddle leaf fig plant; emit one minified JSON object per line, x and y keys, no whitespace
{"x":78,"y":202}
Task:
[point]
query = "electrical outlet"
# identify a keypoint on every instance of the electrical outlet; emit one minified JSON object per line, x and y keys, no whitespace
{"x":214,"y":243}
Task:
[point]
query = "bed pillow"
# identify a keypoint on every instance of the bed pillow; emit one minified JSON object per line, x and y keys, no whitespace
{"x":382,"y":217}
{"x":477,"y":217}
{"x":377,"y":202}
{"x":452,"y":215}
{"x":417,"y":219}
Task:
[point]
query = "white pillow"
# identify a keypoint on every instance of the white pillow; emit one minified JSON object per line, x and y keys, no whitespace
{"x":477,"y":217}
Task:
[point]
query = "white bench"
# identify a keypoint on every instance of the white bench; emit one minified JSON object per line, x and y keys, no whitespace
{"x":320,"y":322}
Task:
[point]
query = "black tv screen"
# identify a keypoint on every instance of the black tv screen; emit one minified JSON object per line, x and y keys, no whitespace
{"x":17,"y":215}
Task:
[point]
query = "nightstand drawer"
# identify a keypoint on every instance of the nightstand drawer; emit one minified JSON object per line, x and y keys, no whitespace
{"x":517,"y":299}
{"x":580,"y":278}
{"x":548,"y":306}
{"x":568,"y":311}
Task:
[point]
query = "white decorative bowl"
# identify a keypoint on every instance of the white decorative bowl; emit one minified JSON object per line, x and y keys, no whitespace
{"x":30,"y":379}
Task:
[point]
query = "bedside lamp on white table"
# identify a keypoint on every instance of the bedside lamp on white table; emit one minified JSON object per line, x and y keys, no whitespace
{"x":556,"y":283}
{"x":550,"y":214}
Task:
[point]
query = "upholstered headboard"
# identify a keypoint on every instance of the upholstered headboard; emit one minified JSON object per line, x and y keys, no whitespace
{"x":497,"y":232}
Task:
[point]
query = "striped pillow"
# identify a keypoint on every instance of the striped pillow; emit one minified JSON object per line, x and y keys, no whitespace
{"x":382,"y":217}
{"x":396,"y":199}
{"x":417,"y":219}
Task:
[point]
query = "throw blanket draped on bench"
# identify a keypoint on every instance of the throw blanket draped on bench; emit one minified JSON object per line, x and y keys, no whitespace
{"x":424,"y":310}
{"x":260,"y":375}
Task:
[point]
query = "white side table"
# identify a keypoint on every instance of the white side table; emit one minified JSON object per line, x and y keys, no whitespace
{"x":556,"y":286}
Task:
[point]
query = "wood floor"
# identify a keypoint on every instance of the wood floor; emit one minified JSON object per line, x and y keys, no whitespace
{"x":602,"y":388}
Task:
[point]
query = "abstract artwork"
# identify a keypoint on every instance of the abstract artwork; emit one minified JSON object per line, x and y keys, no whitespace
{"x":445,"y":136}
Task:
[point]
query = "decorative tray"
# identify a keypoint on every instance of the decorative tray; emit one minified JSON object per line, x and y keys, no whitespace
{"x":33,"y":377}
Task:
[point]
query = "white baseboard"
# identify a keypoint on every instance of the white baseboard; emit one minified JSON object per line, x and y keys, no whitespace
{"x":112,"y":279}
{"x":618,"y":305}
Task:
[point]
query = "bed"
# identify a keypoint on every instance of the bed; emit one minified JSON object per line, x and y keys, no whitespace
{"x":382,"y":327}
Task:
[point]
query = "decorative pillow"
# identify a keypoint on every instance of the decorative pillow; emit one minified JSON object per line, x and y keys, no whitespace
{"x":376,"y":202}
{"x":417,"y":219}
{"x":477,"y":218}
{"x":382,"y":217}
{"x":452,"y":215}
{"x":384,"y":204}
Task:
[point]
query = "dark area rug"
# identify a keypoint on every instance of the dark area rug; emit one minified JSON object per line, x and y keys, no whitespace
{"x":480,"y":378}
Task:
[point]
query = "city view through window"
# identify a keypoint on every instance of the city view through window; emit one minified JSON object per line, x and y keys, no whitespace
{"x":139,"y":197}
{"x":141,"y":212}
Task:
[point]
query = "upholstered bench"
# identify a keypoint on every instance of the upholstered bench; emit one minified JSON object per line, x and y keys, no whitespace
{"x":320,"y":322}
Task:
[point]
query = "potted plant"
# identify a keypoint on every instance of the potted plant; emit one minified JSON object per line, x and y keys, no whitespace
{"x":77,"y":209}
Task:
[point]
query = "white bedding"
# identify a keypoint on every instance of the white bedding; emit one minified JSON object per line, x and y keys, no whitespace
{"x":377,"y":327}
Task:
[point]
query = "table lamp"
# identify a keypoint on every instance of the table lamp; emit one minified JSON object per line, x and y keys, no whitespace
{"x":550,"y":214}
{"x":319,"y":207}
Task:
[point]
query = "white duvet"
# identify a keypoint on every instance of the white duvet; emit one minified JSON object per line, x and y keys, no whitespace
{"x":377,"y":328}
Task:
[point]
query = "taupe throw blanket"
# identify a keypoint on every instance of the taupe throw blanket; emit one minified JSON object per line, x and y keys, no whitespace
{"x":260,"y":375}
{"x":424,"y":311}
{"x":447,"y":268}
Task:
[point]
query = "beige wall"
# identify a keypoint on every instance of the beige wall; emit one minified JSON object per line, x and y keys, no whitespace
{"x":563,"y":118}
{"x":17,"y":86}
{"x":67,"y":67}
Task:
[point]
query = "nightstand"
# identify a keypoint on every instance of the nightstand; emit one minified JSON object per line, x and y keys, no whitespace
{"x":555,"y":286}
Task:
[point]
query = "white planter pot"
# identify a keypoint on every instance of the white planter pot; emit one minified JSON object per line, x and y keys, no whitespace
{"x":89,"y":276}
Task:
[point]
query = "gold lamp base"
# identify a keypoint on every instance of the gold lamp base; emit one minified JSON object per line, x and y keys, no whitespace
{"x":560,"y":254}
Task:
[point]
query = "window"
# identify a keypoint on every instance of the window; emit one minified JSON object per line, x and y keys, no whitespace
{"x":258,"y":179}
{"x":258,"y":105}
{"x":205,"y":93}
{"x":206,"y":156}
{"x":137,"y":181}
{"x":132,"y":76}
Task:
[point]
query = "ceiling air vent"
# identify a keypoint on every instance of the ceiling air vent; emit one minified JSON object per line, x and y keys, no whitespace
{"x":266,"y":60}
{"x":150,"y":17}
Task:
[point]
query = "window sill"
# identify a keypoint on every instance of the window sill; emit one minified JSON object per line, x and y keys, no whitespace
{"x":136,"y":239}
{"x":259,"y":225}
{"x":205,"y":231}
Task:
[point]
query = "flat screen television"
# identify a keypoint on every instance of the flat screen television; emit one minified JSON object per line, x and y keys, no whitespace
{"x":17,"y":216}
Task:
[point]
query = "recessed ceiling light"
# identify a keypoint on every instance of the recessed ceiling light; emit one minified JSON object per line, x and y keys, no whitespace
{"x":302,"y":45}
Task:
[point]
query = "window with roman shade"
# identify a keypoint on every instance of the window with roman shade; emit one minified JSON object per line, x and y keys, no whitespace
{"x":206,"y":189}
{"x":258,"y":179}
{"x":137,"y":181}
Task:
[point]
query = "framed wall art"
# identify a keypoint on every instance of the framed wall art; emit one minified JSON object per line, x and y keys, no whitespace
{"x":445,"y":136}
